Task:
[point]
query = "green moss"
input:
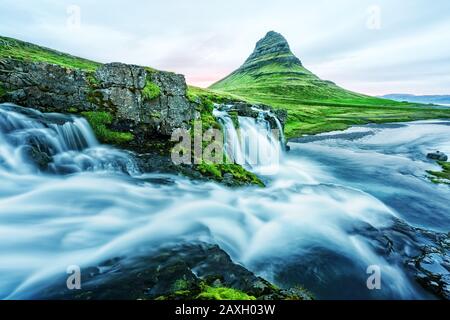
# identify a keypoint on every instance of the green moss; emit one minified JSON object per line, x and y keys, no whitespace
{"x":222,"y":293}
{"x":239,"y":174}
{"x":92,"y":80}
{"x":217,"y":171}
{"x":151,"y":91}
{"x":99,"y":122}
{"x":211,"y":170}
{"x":441,"y":176}
{"x":19,"y":50}
{"x":235,"y":118}
{"x":95,"y":97}
{"x":180,"y":285}
{"x":2,"y":91}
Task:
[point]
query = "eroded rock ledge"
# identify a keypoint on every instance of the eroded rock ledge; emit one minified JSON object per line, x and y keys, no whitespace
{"x":142,"y":101}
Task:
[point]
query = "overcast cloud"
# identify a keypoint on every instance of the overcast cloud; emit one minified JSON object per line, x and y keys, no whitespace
{"x":375,"y":47}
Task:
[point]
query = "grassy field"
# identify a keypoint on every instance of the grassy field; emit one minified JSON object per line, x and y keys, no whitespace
{"x":312,"y":118}
{"x":20,"y":50}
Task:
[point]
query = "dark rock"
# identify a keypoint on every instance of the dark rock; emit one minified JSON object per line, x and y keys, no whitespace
{"x":172,"y":272}
{"x":115,"y":88}
{"x":244,"y":109}
{"x":440,"y":156}
{"x":39,"y":158}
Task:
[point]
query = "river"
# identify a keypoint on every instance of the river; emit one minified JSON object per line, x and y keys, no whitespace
{"x":315,"y":224}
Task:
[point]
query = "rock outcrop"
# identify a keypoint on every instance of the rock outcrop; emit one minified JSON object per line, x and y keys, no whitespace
{"x":117,"y":88}
{"x":273,"y":48}
{"x":174,"y":273}
{"x":439,"y":156}
{"x":244,"y":109}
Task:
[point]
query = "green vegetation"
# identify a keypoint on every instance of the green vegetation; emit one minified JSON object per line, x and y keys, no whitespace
{"x":92,"y":80}
{"x":20,"y":50}
{"x":278,"y":79}
{"x":99,"y":122}
{"x":218,"y":171}
{"x":441,"y":176}
{"x":151,"y":91}
{"x":196,"y":94}
{"x":3,"y":91}
{"x":239,"y":174}
{"x":222,"y":293}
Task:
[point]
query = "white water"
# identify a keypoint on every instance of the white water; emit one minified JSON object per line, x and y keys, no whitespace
{"x":49,"y":222}
{"x":254,"y":144}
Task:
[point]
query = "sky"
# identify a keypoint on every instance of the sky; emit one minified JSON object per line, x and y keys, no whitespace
{"x":372,"y":47}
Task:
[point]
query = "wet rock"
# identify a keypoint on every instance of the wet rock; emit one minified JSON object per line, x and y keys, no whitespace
{"x":251,"y":110}
{"x":426,"y":254}
{"x":40,"y":158}
{"x":440,"y":156}
{"x":173,"y":272}
{"x":432,"y":268}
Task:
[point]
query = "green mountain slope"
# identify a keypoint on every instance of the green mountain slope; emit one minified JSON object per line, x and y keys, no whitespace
{"x":20,"y":50}
{"x":273,"y":75}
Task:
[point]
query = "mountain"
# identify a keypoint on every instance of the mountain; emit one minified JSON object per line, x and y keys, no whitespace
{"x":272,"y":73}
{"x":427,"y":99}
{"x":274,"y":76}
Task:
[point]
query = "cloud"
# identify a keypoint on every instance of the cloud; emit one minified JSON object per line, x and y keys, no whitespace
{"x":207,"y":39}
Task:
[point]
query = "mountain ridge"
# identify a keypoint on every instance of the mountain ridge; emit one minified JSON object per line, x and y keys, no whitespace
{"x":427,"y":99}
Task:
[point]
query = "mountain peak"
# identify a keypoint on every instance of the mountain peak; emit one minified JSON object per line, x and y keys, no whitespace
{"x":273,"y":48}
{"x":273,"y":41}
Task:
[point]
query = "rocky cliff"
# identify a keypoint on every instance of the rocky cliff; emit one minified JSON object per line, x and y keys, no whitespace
{"x":144,"y":102}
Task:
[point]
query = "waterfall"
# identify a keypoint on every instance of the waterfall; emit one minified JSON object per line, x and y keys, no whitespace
{"x":253,"y":144}
{"x":55,"y":143}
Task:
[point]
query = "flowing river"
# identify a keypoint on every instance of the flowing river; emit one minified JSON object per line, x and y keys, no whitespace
{"x":318,"y":222}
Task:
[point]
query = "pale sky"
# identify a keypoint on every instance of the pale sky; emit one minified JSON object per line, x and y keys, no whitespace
{"x":373,"y":47}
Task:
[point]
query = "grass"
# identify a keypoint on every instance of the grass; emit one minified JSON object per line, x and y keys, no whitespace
{"x":99,"y":122}
{"x":151,"y":91}
{"x":20,"y":50}
{"x":441,"y":176}
{"x":313,"y":105}
{"x":222,"y":293}
{"x":196,"y":94}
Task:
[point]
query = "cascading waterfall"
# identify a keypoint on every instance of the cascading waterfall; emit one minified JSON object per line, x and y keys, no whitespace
{"x":63,"y":144}
{"x":309,"y":225}
{"x":254,"y":144}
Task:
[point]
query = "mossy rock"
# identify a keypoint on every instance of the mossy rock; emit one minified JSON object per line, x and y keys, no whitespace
{"x":151,"y":91}
{"x":99,"y":120}
{"x":441,"y":177}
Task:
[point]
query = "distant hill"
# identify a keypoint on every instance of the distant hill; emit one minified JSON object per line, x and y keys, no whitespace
{"x":426,"y":99}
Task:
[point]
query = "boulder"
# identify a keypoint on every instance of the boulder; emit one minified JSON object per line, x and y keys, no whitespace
{"x":440,"y":156}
